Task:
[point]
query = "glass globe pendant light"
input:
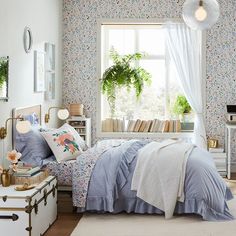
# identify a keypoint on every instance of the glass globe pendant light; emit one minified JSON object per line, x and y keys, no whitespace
{"x":201,"y":14}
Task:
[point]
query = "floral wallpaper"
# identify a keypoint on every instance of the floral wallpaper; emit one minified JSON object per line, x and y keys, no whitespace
{"x":80,"y":55}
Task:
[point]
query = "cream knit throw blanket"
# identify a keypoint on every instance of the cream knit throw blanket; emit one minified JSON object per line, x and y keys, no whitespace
{"x":160,"y":173}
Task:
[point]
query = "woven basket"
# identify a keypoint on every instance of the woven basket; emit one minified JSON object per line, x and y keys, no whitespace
{"x":76,"y":109}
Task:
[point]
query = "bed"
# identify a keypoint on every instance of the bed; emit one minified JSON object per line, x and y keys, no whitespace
{"x":101,"y":179}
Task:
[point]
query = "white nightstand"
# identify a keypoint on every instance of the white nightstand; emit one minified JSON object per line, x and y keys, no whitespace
{"x":228,"y":131}
{"x":83,"y":127}
{"x":220,"y":162}
{"x":28,"y":213}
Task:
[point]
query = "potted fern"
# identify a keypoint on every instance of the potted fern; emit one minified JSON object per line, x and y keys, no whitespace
{"x":123,"y":74}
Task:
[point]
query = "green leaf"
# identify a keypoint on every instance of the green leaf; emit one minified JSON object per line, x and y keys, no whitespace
{"x":123,"y":74}
{"x":181,"y":105}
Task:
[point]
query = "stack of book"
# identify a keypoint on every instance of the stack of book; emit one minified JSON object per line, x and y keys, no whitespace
{"x":30,"y":175}
{"x":26,"y":171}
{"x":219,"y":157}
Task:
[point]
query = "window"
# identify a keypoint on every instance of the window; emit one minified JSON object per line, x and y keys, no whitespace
{"x":156,"y":100}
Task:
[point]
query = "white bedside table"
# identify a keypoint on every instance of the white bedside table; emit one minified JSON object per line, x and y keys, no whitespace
{"x":220,"y":160}
{"x":228,"y":131}
{"x":28,"y":213}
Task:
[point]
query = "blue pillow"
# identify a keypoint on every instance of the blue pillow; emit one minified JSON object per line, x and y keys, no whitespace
{"x":33,"y":147}
{"x":32,"y":118}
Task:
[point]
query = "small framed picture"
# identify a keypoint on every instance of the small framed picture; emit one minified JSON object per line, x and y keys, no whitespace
{"x":50,"y":86}
{"x":4,"y":74}
{"x":39,"y":71}
{"x":50,"y":56}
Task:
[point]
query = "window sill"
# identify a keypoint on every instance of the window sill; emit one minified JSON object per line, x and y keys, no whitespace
{"x":186,"y":134}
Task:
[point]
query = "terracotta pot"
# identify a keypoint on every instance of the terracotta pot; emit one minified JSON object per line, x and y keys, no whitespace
{"x":5,"y":178}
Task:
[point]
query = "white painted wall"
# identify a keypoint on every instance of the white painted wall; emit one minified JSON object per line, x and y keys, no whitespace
{"x":44,"y":17}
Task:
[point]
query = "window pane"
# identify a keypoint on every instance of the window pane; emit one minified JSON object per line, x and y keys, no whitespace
{"x":152,"y":102}
{"x":152,"y":41}
{"x":157,"y":70}
{"x":121,"y":40}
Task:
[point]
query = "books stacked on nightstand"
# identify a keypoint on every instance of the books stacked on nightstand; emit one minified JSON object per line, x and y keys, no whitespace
{"x":30,"y":175}
{"x":219,"y":157}
{"x":26,"y":171}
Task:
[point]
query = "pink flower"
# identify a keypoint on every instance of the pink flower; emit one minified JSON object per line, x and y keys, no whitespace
{"x":13,"y":156}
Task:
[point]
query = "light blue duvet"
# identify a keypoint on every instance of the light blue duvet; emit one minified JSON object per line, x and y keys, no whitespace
{"x":110,"y":185}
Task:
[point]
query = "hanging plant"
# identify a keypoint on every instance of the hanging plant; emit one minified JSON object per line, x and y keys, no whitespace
{"x":3,"y":70}
{"x":123,"y":74}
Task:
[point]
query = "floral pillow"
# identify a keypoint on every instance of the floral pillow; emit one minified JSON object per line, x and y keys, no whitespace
{"x":64,"y":142}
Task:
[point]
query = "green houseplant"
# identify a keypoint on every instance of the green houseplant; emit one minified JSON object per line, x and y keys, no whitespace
{"x":123,"y":74}
{"x":181,"y":106}
{"x":3,"y":70}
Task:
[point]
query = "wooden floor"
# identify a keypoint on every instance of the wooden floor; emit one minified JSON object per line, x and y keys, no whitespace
{"x":64,"y":224}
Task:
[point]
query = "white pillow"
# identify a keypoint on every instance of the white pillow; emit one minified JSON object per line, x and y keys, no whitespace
{"x":64,"y":142}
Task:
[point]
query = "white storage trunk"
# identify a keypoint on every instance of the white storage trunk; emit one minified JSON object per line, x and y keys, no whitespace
{"x":28,"y":213}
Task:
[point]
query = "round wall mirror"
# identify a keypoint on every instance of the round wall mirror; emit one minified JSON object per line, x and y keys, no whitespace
{"x":28,"y":40}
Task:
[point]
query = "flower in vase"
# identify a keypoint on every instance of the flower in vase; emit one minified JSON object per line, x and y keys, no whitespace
{"x":13,"y":156}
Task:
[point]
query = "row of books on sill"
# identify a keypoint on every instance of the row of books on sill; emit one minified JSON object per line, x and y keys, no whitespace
{"x":155,"y":125}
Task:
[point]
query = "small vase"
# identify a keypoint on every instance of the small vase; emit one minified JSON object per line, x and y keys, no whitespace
{"x":5,"y":178}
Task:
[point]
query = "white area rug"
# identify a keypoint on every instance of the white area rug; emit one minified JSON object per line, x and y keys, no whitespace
{"x":153,"y":225}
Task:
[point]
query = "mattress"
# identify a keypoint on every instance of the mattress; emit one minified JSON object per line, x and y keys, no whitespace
{"x":62,"y":171}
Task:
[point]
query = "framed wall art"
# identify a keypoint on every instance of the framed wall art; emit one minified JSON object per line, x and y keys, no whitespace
{"x":4,"y":74}
{"x":39,"y":71}
{"x":50,"y":86}
{"x":50,"y":71}
{"x":50,"y":56}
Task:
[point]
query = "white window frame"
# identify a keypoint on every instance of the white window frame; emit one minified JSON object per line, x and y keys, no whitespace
{"x":99,"y":132}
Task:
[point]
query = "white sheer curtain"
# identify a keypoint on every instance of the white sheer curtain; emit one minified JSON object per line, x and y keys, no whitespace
{"x":185,"y":50}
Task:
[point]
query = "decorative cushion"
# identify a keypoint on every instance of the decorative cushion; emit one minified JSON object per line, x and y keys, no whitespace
{"x":32,"y":118}
{"x":64,"y":142}
{"x":32,"y":146}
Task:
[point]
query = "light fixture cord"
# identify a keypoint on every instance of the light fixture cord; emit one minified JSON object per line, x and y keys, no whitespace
{"x":200,"y":3}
